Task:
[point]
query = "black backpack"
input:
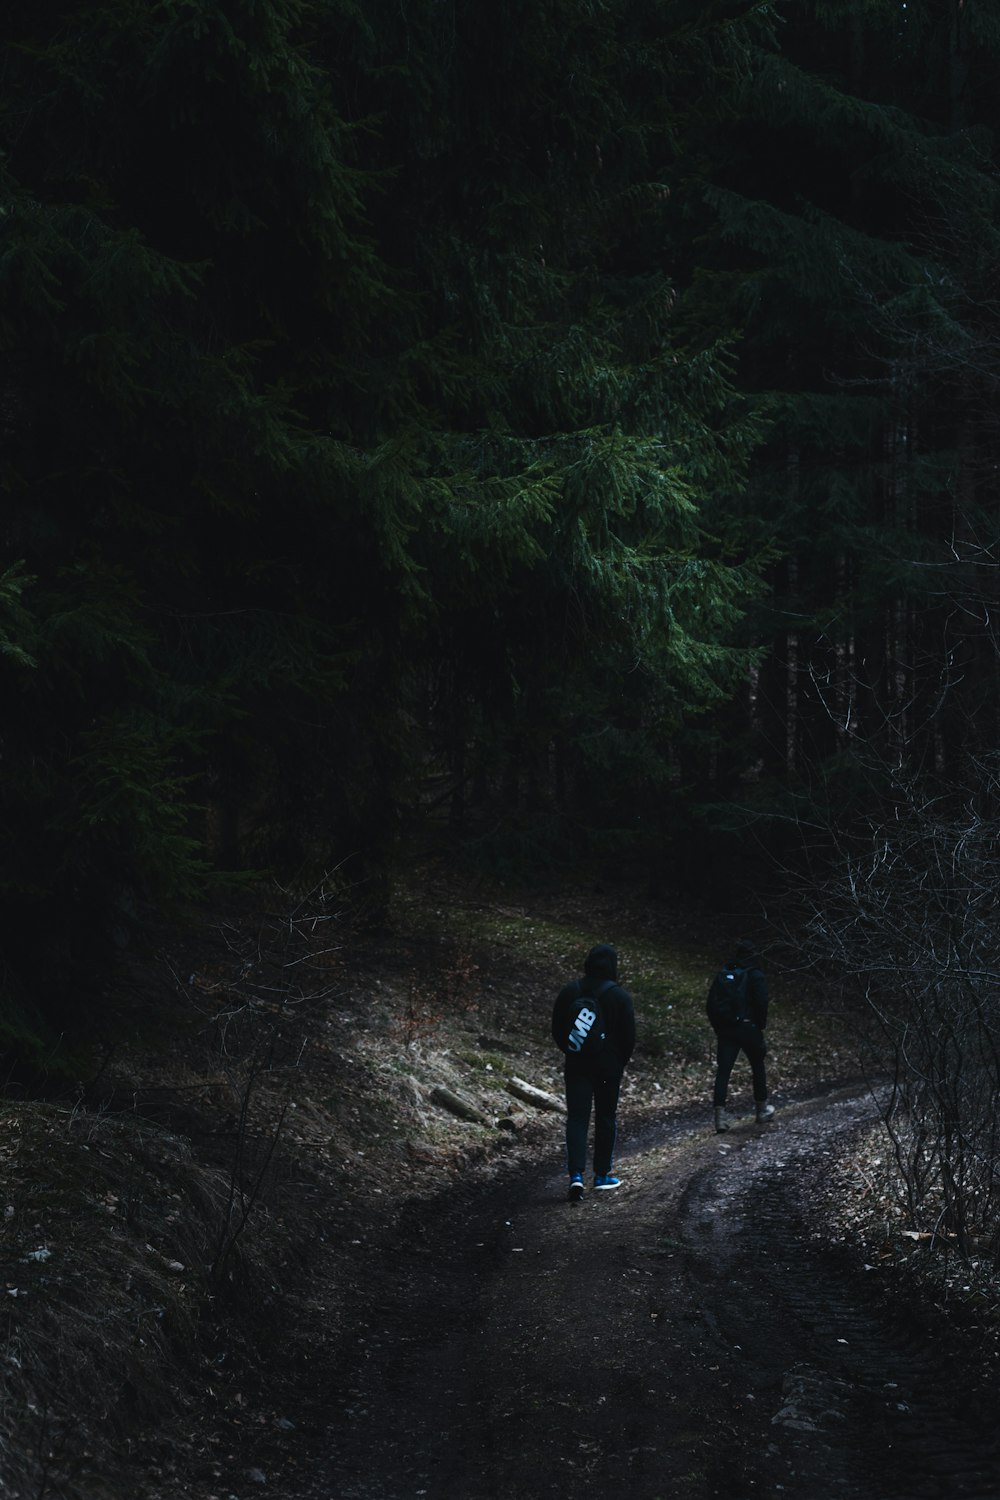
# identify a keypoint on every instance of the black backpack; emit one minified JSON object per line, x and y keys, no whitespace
{"x":727,"y":998}
{"x":588,"y":1026}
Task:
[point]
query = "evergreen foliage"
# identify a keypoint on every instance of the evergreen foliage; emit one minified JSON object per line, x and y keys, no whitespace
{"x":401,"y":405}
{"x":349,"y":433}
{"x":847,"y":227}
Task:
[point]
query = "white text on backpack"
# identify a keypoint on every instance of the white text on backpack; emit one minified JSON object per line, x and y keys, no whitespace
{"x":581,"y":1028}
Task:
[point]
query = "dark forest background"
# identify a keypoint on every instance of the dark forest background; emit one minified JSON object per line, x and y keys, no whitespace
{"x":575,"y":421}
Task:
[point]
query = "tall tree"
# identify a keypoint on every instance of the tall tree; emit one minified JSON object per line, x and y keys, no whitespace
{"x":182,"y":220}
{"x":855,"y":217}
{"x":348,"y":423}
{"x":576,"y":595}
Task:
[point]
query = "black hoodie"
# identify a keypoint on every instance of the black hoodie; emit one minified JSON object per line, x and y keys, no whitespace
{"x":601,"y":964}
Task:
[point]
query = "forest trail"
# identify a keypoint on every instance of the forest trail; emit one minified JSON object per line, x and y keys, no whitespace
{"x":690,"y":1335}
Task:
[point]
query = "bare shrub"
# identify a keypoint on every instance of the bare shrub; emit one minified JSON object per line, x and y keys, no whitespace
{"x":122,"y":1223}
{"x":257,"y":1004}
{"x":909,"y":920}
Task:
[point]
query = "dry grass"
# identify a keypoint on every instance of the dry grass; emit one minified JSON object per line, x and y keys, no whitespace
{"x":865,"y":1211}
{"x":179,"y":1264}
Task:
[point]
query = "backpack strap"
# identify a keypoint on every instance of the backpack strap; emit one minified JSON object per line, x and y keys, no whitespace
{"x":605,"y":984}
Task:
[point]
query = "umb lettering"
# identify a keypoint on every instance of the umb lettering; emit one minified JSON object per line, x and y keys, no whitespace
{"x":581,"y":1028}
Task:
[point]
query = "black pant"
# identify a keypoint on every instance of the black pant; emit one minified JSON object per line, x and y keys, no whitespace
{"x":748,"y":1039}
{"x":595,"y":1087}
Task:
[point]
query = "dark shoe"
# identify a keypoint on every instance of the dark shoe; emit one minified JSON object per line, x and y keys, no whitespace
{"x":721,"y":1120}
{"x":764,"y":1113}
{"x":606,"y":1183}
{"x":575,"y":1188}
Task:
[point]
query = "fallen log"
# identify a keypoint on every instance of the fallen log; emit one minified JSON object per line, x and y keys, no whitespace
{"x":538,"y":1097}
{"x":457,"y":1105}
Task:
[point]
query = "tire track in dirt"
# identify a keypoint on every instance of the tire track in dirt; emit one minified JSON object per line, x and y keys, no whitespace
{"x":853,"y":1397}
{"x":684,"y":1336}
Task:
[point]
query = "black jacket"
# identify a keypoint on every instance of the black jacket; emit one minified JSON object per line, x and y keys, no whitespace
{"x":616,"y":1002}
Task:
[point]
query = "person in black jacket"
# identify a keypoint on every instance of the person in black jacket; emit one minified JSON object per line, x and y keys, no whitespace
{"x":594,"y":1068}
{"x":745,"y":1034}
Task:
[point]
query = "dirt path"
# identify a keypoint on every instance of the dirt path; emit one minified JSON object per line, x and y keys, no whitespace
{"x":690,"y":1335}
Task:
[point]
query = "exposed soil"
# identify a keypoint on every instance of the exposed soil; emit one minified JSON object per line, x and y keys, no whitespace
{"x":688,"y":1335}
{"x":402,"y":1302}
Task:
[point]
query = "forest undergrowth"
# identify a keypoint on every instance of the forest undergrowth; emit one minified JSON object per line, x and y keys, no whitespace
{"x":185,"y":1241}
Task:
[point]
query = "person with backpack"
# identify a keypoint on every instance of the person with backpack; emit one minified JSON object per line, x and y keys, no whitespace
{"x":593,"y":1022}
{"x":737,"y":1010}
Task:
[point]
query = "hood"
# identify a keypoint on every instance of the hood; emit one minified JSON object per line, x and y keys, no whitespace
{"x":744,"y":954}
{"x":602,"y":962}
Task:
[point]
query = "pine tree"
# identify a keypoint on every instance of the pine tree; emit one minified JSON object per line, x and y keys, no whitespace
{"x":351,"y":431}
{"x":569,"y":439}
{"x":182,"y":235}
{"x":854,"y":222}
